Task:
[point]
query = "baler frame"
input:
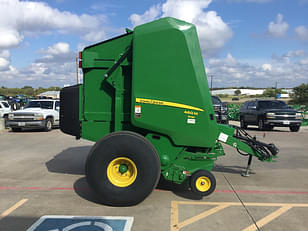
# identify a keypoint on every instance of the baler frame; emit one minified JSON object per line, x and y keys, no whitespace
{"x":132,"y":148}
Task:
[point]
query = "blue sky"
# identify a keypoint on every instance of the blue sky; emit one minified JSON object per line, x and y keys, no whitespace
{"x":244,"y":42}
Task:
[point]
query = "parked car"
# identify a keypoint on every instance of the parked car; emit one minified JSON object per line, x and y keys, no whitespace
{"x":3,"y":98}
{"x":37,"y":114}
{"x":267,"y":114}
{"x":221,"y":110}
{"x":5,"y":109}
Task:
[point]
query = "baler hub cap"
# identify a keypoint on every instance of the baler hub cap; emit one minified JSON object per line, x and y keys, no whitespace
{"x":203,"y":183}
{"x":121,"y":172}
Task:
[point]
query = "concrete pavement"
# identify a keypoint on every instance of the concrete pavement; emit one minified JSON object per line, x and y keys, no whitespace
{"x":42,"y":173}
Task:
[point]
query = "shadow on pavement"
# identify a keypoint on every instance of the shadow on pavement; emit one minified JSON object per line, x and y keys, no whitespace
{"x":229,"y":169}
{"x":70,"y":161}
{"x":83,"y":190}
{"x":181,"y":190}
{"x":31,"y":130}
{"x":275,"y":129}
{"x":17,"y":222}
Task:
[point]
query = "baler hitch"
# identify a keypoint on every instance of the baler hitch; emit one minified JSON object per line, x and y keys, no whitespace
{"x":263,"y":151}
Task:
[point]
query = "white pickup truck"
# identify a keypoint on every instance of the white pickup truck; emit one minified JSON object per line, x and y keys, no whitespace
{"x":5,"y":109}
{"x":42,"y":114}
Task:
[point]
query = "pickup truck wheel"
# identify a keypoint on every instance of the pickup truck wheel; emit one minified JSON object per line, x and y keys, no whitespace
{"x":123,"y":168}
{"x":48,"y":125}
{"x":294,"y":128}
{"x":243,"y":124}
{"x":5,"y":120}
{"x":261,"y":125}
{"x":203,"y":183}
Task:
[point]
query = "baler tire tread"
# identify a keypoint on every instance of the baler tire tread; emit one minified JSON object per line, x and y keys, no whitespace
{"x":129,"y":145}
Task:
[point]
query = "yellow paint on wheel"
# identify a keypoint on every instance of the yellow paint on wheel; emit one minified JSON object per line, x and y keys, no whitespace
{"x":119,"y":178}
{"x":203,"y":184}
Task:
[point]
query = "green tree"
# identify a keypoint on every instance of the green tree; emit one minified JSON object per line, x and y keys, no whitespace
{"x":272,"y":92}
{"x":269,"y":92}
{"x":300,"y":94}
{"x":237,"y":92}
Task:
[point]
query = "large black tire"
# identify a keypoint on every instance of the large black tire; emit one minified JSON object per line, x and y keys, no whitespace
{"x":138,"y":154}
{"x":294,"y":128}
{"x":203,"y":183}
{"x":242,"y":123}
{"x":48,"y":124}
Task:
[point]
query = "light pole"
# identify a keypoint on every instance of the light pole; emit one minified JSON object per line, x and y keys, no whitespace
{"x":211,"y":83}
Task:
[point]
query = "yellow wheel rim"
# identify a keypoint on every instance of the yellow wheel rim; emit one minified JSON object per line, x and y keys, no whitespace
{"x":203,"y":183}
{"x":122,"y":172}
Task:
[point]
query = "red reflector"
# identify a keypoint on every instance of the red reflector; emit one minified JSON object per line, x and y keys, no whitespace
{"x":80,"y":64}
{"x":80,"y":55}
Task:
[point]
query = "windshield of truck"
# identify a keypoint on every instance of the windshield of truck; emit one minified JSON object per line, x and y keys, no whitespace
{"x":40,"y":104}
{"x":273,"y":105}
{"x":215,"y":100}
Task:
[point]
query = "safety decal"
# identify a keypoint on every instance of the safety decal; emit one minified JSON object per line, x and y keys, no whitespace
{"x":137,"y":111}
{"x":191,"y":121}
{"x":223,"y":137}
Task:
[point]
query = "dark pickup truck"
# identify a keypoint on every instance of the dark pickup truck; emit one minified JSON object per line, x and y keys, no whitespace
{"x":221,"y":110}
{"x":267,"y":114}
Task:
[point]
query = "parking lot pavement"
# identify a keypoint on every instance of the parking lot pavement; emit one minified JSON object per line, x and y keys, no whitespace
{"x":42,"y":173}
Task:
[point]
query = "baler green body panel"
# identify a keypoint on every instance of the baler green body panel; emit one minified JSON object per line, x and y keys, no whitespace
{"x":169,"y":84}
{"x":98,"y":106}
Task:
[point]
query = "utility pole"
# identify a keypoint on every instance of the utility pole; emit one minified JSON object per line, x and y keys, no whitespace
{"x":77,"y":70}
{"x":276,"y":83}
{"x":211,"y":83}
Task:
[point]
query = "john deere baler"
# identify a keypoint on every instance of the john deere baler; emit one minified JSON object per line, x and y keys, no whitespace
{"x":145,"y":101}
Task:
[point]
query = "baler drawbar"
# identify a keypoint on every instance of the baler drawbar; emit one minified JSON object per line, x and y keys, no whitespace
{"x":145,"y":101}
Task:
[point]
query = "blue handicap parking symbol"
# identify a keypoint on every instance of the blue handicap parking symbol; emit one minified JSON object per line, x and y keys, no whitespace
{"x":82,"y":223}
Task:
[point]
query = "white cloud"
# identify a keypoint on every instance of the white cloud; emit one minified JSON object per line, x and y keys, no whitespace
{"x":4,"y":60}
{"x":288,"y":72}
{"x":56,"y":49}
{"x":304,"y":61}
{"x":297,"y":53}
{"x":21,"y":18}
{"x":213,"y":32}
{"x":4,"y":64}
{"x":289,"y":56}
{"x":279,"y":28}
{"x":302,"y":33}
{"x":148,"y":16}
{"x":5,"y":54}
{"x":267,"y":67}
{"x":187,"y":10}
{"x":95,"y":36}
{"x":55,"y":67}
{"x":57,"y":53}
